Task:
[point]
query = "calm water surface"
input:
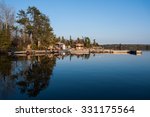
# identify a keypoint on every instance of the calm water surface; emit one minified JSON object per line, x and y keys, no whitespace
{"x":99,"y":76}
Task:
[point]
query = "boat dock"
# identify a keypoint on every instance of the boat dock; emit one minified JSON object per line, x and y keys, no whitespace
{"x":33,"y":52}
{"x":76,"y":52}
{"x":135,"y":52}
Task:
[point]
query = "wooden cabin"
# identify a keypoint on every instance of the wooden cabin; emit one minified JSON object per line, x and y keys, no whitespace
{"x":79,"y":46}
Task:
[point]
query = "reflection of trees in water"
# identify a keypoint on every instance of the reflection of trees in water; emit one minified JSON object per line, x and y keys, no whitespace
{"x":7,"y":81}
{"x":5,"y":66}
{"x":30,"y":76}
{"x":36,"y":76}
{"x":83,"y":56}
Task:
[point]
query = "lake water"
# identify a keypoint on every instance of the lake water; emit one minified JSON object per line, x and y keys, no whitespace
{"x":94,"y":76}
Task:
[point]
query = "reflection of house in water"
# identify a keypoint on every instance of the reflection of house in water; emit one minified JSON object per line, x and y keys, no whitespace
{"x":60,"y":46}
{"x":79,"y":46}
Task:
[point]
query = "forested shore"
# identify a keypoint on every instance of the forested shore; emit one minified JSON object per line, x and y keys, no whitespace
{"x":31,"y":27}
{"x":127,"y":46}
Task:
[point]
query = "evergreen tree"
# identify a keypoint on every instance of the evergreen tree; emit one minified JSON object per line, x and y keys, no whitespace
{"x":87,"y":42}
{"x":4,"y":38}
{"x":71,"y":42}
{"x":37,"y":26}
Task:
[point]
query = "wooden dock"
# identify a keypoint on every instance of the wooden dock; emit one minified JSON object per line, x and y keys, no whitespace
{"x":135,"y":52}
{"x":33,"y":52}
{"x":75,"y":52}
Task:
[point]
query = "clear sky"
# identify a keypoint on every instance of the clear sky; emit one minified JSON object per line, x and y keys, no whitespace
{"x":107,"y":21}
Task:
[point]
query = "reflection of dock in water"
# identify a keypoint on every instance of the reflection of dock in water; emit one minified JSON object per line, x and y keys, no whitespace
{"x":37,"y":53}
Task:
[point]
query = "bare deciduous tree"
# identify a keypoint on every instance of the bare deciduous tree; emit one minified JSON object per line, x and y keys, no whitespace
{"x":7,"y":14}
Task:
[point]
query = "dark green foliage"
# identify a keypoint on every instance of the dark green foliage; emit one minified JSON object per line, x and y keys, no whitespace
{"x":36,"y":27}
{"x":4,"y":39}
{"x":72,"y":42}
{"x":5,"y":66}
{"x":36,"y":78}
{"x":127,"y":46}
{"x":87,"y":42}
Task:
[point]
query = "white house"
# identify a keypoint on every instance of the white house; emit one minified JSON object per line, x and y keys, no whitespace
{"x":60,"y":46}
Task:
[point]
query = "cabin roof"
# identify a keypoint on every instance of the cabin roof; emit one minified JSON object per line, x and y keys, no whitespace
{"x":79,"y":45}
{"x":59,"y":43}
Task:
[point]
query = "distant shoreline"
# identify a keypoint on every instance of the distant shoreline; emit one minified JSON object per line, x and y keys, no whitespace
{"x":127,"y":46}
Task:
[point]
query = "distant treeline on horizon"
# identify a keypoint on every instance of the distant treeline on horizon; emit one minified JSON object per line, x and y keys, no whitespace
{"x":127,"y":46}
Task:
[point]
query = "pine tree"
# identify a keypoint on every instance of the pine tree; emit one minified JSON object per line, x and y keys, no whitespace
{"x":37,"y":26}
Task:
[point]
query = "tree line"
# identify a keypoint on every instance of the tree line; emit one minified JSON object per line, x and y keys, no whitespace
{"x":127,"y":46}
{"x":6,"y":23}
{"x":31,"y":26}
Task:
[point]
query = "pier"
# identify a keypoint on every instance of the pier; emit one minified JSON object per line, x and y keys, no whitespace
{"x":135,"y":52}
{"x":33,"y":52}
{"x":75,"y":52}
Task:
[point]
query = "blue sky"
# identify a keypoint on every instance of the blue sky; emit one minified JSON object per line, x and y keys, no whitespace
{"x":107,"y":21}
